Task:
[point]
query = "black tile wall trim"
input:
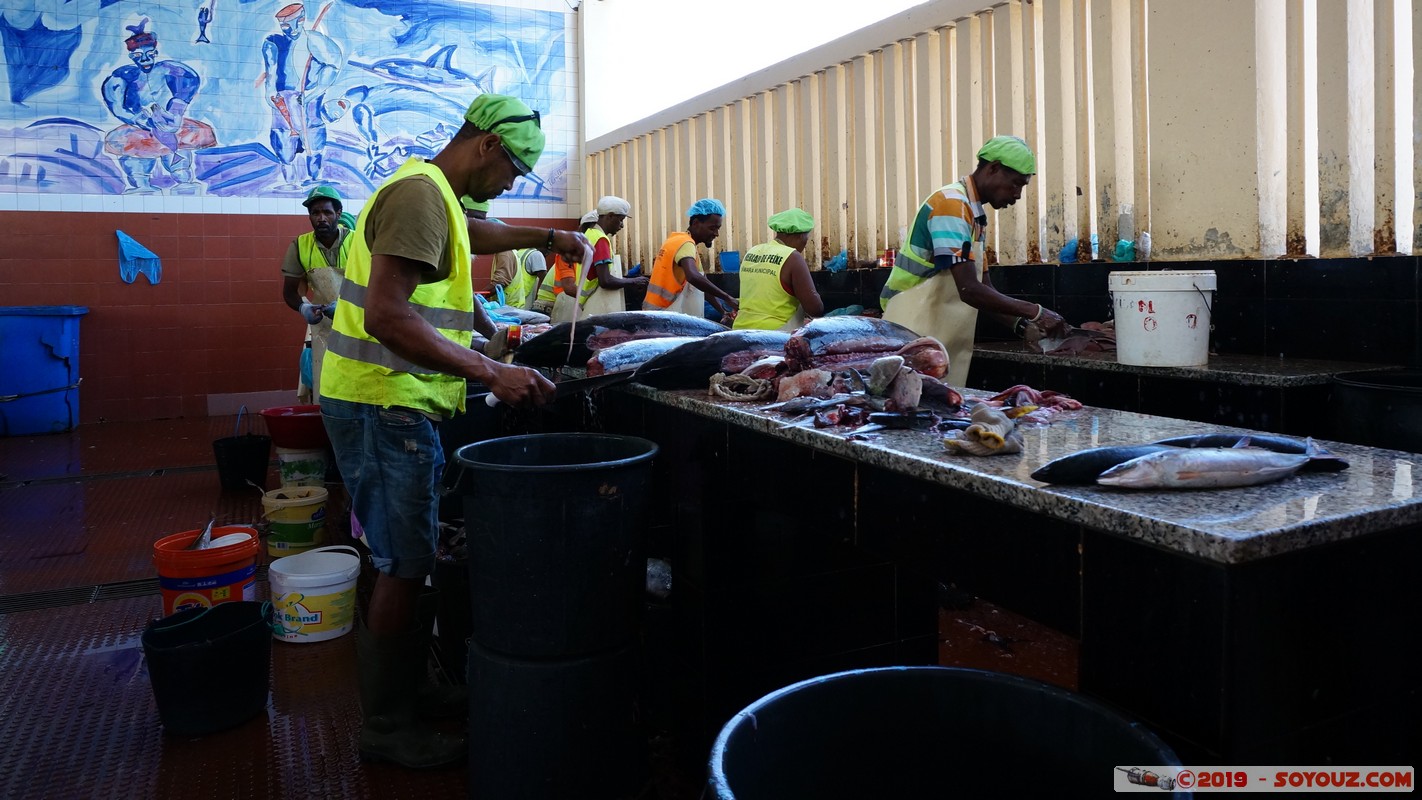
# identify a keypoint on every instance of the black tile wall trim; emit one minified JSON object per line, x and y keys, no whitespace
{"x":1297,"y":308}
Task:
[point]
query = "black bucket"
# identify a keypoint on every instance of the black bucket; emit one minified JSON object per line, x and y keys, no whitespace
{"x":556,"y":523}
{"x":209,"y":666}
{"x":1379,"y":409}
{"x":242,"y":457}
{"x":555,"y":729}
{"x":926,"y":732}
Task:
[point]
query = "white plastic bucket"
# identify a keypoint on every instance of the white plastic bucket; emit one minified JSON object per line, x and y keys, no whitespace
{"x":314,"y":594}
{"x":301,"y":467}
{"x":1162,"y":318}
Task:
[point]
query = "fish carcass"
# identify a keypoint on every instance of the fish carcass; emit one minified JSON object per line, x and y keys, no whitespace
{"x":1204,"y":468}
{"x":837,"y":343}
{"x":600,"y":331}
{"x":691,"y":365}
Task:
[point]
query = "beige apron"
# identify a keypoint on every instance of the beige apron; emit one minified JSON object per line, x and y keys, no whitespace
{"x":933,"y":308}
{"x":690,"y":300}
{"x":796,"y":321}
{"x":325,"y":288}
{"x":605,"y":300}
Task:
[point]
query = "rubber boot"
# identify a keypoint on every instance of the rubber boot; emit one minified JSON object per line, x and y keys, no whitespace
{"x":392,"y":669}
{"x":436,"y":700}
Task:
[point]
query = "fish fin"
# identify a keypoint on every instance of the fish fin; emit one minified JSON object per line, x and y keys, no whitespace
{"x":447,"y":52}
{"x":1243,"y":442}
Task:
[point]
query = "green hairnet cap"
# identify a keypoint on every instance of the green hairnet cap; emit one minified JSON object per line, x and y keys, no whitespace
{"x":792,"y":220}
{"x":1011,"y":152}
{"x":348,"y":219}
{"x":516,"y":124}
{"x":474,"y":205}
{"x":323,"y":193}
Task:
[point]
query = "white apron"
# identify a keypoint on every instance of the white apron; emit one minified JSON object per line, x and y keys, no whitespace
{"x":933,"y":308}
{"x":604,"y":300}
{"x":325,"y":287}
{"x":691,"y":301}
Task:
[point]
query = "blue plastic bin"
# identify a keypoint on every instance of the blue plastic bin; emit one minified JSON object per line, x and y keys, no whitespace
{"x":730,"y":261}
{"x":39,"y":369}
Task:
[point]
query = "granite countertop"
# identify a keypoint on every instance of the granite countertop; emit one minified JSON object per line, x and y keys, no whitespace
{"x":1229,"y":526}
{"x":1242,"y":370}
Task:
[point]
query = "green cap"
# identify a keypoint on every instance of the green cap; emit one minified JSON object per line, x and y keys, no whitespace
{"x":792,"y":220}
{"x":323,"y":193}
{"x":516,"y":124}
{"x":474,"y":205}
{"x":1011,"y":152}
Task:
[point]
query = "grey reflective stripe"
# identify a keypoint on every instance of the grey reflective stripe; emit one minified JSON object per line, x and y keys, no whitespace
{"x":914,"y":265}
{"x":662,"y":293}
{"x":447,"y":318}
{"x":371,"y":352}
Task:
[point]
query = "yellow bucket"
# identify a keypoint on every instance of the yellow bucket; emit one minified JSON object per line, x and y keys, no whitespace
{"x":297,"y":519}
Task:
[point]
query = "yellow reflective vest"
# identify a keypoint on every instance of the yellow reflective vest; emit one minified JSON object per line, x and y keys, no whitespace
{"x":357,"y":367}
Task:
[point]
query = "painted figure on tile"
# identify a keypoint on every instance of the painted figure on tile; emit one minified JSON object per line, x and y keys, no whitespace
{"x":151,"y":97}
{"x":205,"y":19}
{"x":301,"y":64}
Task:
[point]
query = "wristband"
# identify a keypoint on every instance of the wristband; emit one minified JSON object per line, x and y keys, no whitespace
{"x":1019,"y":328}
{"x":1039,"y":313}
{"x":549,"y":246}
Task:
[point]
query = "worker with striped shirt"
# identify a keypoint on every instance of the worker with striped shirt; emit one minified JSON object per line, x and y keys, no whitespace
{"x":939,"y":282}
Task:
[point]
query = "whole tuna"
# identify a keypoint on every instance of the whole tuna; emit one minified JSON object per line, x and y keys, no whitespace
{"x":1204,"y":468}
{"x":632,"y":354}
{"x":551,"y":348}
{"x":691,"y":365}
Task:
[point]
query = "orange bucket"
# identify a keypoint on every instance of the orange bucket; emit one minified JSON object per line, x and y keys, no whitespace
{"x":204,"y":578}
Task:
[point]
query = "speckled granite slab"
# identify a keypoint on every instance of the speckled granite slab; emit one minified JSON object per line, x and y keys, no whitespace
{"x":1241,"y":370}
{"x":1377,"y":493}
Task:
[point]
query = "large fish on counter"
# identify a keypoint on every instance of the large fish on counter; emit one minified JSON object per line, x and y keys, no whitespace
{"x":630,"y":355}
{"x":691,"y":365}
{"x":600,"y":331}
{"x":836,"y":343}
{"x":1204,"y":468}
{"x":1082,"y":468}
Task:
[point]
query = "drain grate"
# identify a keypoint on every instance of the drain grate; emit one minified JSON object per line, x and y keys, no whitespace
{"x":85,"y":595}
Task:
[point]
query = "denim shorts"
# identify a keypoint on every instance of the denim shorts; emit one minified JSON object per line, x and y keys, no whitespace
{"x":391,"y":460}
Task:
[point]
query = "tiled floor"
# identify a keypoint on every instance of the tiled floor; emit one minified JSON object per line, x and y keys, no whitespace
{"x":79,"y":513}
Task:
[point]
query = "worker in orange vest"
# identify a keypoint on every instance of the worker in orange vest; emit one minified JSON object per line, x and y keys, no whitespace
{"x":676,"y":267}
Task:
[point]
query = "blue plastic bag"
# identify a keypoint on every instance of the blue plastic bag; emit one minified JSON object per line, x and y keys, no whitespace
{"x":1068,"y":253}
{"x":839,"y":263}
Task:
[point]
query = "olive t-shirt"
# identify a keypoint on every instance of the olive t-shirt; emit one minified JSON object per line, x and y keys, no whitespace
{"x":408,"y":219}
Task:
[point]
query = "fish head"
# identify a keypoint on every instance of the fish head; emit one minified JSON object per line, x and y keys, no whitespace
{"x":1139,"y":473}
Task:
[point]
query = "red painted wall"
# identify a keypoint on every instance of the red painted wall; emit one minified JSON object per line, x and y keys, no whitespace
{"x":214,"y":324}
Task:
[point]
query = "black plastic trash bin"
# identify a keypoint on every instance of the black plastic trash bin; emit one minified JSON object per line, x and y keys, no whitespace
{"x":209,"y":666}
{"x":556,"y":525}
{"x":1379,"y":409}
{"x":926,"y":732}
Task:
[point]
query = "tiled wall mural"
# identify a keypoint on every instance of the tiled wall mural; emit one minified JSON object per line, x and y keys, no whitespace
{"x":264,"y":98}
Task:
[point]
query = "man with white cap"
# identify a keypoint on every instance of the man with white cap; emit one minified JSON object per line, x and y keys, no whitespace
{"x":777,"y":292}
{"x":602,"y":287}
{"x":939,"y":282}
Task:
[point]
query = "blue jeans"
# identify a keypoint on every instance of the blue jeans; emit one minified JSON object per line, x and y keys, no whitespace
{"x":391,"y":460}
